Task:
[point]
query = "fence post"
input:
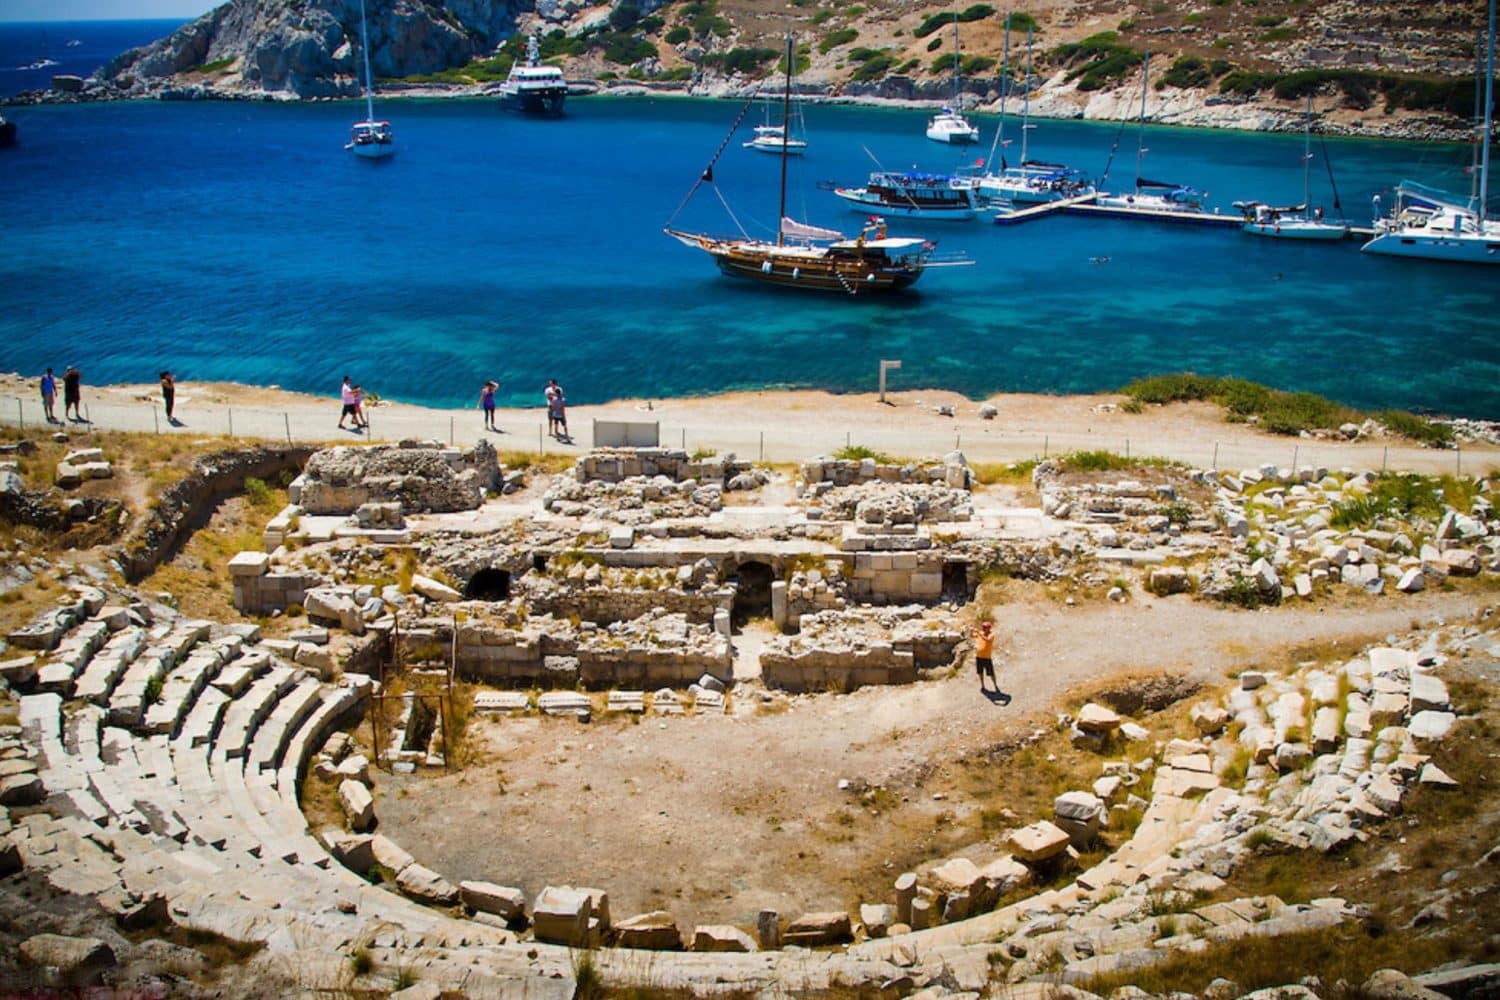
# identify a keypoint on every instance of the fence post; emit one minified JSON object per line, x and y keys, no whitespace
{"x":847,"y":442}
{"x":87,"y":418}
{"x":1384,"y":454}
{"x":1215,"y":465}
{"x":1295,"y":450}
{"x":230,"y":410}
{"x":684,"y":438}
{"x":450,"y":430}
{"x":957,"y":440}
{"x":287,"y":420}
{"x":1127,"y":449}
{"x":762,"y":446}
{"x":155,"y":420}
{"x":20,"y":415}
{"x":541,"y":449}
{"x":1046,"y":440}
{"x":1458,"y":459}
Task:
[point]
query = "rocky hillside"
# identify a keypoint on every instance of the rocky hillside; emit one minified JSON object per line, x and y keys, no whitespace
{"x":1374,"y":66}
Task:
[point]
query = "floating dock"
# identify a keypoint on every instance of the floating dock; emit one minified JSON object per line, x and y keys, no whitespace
{"x":1087,"y":205}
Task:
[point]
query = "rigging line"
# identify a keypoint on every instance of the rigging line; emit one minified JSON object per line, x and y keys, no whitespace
{"x":707,"y":174}
{"x":732,"y":217}
{"x":1112,"y":150}
{"x":1331,"y":182}
{"x":1004,"y":92}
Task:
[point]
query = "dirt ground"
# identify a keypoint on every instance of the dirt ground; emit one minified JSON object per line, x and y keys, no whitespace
{"x":714,"y":818}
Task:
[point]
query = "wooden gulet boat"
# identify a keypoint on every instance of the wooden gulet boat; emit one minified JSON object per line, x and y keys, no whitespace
{"x":804,"y":256}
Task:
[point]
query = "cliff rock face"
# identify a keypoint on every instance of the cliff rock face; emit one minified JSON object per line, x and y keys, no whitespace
{"x":310,"y":48}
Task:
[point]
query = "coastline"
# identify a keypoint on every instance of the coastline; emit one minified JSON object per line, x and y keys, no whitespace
{"x":766,"y":425}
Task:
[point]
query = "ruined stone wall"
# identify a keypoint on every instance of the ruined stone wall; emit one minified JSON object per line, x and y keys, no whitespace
{"x":183,"y":504}
{"x":419,"y":476}
{"x":842,"y":650}
{"x":258,"y":591}
{"x":604,"y":606}
{"x":897,"y":577}
{"x":612,"y":465}
{"x":952,"y":471}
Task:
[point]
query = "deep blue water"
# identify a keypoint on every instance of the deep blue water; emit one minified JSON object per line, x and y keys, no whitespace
{"x":240,"y":241}
{"x":78,"y":47}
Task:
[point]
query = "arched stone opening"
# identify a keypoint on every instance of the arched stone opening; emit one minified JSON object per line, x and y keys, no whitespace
{"x":752,"y":593}
{"x":488,"y":585}
{"x":956,"y":581}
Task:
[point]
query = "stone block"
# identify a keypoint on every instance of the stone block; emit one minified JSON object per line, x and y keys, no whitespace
{"x":358,"y":804}
{"x":877,"y":919}
{"x":622,"y":537}
{"x":1209,"y":720}
{"x":434,"y":590}
{"x":1080,"y":815}
{"x":1252,"y":679}
{"x":352,"y":850}
{"x":721,"y":937}
{"x":1094,"y":718}
{"x":813,"y":930}
{"x":426,"y":886}
{"x":1038,"y":842}
{"x":1431,"y":726}
{"x":560,"y":915}
{"x":1325,"y":730}
{"x":245,"y":564}
{"x":21,"y":790}
{"x":1428,"y":693}
{"x":68,"y":961}
{"x":389,"y":854}
{"x":1412,"y":581}
{"x":654,"y":931}
{"x":503,"y":901}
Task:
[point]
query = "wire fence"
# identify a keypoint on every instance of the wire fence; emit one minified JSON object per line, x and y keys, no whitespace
{"x":785,"y":441}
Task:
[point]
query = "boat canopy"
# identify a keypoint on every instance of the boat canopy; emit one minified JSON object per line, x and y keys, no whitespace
{"x":802,"y":231}
{"x":888,"y":243}
{"x":1421,"y":196}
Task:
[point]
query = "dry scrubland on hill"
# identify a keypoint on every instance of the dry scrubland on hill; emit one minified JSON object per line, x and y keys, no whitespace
{"x":1397,"y":67}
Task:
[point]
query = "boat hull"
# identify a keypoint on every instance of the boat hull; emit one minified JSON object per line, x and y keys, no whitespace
{"x":814,"y":280}
{"x":860,"y":202}
{"x":1470,"y":249}
{"x":851,"y":268}
{"x":7,"y":132}
{"x":1020,"y":194}
{"x":794,"y":148}
{"x":373,"y":150}
{"x":953,"y":138}
{"x":1295,"y":230}
{"x":543,"y":102}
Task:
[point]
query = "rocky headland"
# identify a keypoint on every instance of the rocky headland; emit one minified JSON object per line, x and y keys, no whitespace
{"x":1387,"y":68}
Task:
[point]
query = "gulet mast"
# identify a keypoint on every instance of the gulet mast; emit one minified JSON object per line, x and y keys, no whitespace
{"x":786,"y":126}
{"x":1489,"y":103}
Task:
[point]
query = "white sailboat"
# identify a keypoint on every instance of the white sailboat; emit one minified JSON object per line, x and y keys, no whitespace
{"x":1034,"y":182}
{"x":778,"y":138}
{"x":1148,"y":195}
{"x":1294,"y":222}
{"x":1435,"y":225}
{"x":369,"y":139}
{"x":949,"y":125}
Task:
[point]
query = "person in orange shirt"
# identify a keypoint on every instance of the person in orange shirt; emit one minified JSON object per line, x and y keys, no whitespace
{"x":984,"y":653}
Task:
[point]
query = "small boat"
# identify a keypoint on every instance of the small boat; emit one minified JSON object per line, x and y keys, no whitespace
{"x":1148,"y":195}
{"x":45,"y":62}
{"x":1294,"y":222}
{"x":915,"y":195}
{"x":1434,"y":225}
{"x":808,"y":257}
{"x":533,"y":87}
{"x":949,"y":125}
{"x":773,"y":138}
{"x":1034,"y":182}
{"x":370,"y":139}
{"x":7,"y":132}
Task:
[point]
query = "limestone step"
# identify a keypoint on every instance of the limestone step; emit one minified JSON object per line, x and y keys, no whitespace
{"x":246,"y":713}
{"x":202,"y":723}
{"x":108,"y":665}
{"x":272,"y":736}
{"x":71,"y":656}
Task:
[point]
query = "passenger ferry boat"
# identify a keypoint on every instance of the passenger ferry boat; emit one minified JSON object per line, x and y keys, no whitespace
{"x":533,"y":87}
{"x":915,"y":196}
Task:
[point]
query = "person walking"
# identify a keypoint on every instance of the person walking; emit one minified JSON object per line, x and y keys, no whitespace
{"x":553,"y":393}
{"x":346,"y":393}
{"x":487,"y":404}
{"x":984,"y":653}
{"x":73,"y":393}
{"x":49,"y":394}
{"x":360,"y":421}
{"x":169,"y":395}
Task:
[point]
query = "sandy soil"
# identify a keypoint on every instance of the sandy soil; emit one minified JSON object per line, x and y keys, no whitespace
{"x":713,"y":818}
{"x":774,"y":425}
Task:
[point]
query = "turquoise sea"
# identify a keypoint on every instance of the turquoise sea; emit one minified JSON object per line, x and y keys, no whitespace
{"x":239,"y":241}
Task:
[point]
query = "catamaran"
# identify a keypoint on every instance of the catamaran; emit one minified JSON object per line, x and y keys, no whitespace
{"x":370,"y":139}
{"x":532,"y":86}
{"x":1148,"y":195}
{"x":949,"y":125}
{"x":1034,"y":182}
{"x":1435,"y":225}
{"x":1295,"y":222}
{"x":804,"y":256}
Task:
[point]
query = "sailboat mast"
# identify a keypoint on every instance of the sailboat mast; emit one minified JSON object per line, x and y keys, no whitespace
{"x":1140,"y":131}
{"x":1026,"y":103}
{"x":1489,"y":104}
{"x":364,"y":43}
{"x":786,"y":124}
{"x":1307,"y":158}
{"x":1478,"y":114}
{"x":1004,"y":92}
{"x":955,"y":60}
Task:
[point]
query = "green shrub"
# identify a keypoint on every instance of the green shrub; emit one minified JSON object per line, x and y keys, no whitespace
{"x":935,"y":44}
{"x":859,"y":452}
{"x":1268,"y":21}
{"x":1242,"y":592}
{"x":834,"y":39}
{"x":217,"y":66}
{"x":932,"y":22}
{"x":676,"y":74}
{"x":741,"y":59}
{"x":1097,"y":59}
{"x":620,"y":47}
{"x":624,"y":16}
{"x":1022,"y":21}
{"x":875,"y":67}
{"x":679,"y":34}
{"x":1409,"y":425}
{"x":1279,"y":34}
{"x":1415,"y":93}
{"x":1193,"y":18}
{"x":1188,"y":71}
{"x":974,"y":65}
